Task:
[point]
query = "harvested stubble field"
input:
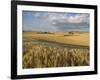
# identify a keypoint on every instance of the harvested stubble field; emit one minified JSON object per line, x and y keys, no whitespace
{"x":59,"y":49}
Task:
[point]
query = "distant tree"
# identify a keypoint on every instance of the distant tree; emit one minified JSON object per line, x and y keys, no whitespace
{"x":71,"y":33}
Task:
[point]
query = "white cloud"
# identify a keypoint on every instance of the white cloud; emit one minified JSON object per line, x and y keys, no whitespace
{"x":64,"y":18}
{"x":56,"y":16}
{"x":81,"y":18}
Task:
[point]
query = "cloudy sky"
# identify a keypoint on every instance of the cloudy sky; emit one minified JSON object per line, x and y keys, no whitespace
{"x":55,"y":21}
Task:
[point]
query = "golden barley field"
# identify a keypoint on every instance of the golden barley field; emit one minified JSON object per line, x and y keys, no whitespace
{"x":55,"y":49}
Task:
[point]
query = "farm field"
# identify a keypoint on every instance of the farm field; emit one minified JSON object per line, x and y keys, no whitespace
{"x":55,"y":49}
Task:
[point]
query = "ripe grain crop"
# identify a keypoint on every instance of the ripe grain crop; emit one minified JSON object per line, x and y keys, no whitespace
{"x":39,"y":54}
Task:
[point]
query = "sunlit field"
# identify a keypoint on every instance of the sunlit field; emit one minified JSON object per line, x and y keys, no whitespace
{"x":55,"y":49}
